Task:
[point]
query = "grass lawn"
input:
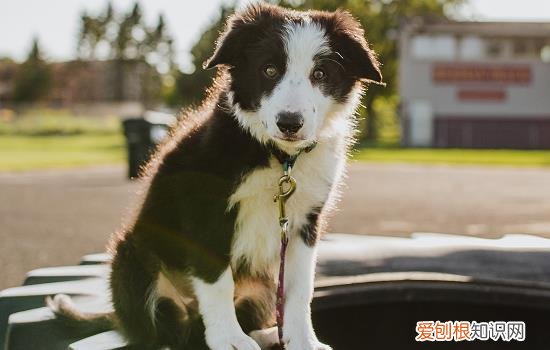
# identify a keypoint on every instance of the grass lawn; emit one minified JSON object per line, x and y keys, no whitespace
{"x":454,"y":156}
{"x":51,"y":140}
{"x":18,"y":153}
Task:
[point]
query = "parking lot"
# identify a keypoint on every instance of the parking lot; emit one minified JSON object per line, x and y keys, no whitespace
{"x":51,"y":218}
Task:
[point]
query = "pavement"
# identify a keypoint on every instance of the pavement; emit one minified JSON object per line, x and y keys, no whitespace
{"x":50,"y":218}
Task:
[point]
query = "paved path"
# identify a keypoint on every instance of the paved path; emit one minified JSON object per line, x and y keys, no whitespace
{"x":52,"y":218}
{"x":489,"y":202}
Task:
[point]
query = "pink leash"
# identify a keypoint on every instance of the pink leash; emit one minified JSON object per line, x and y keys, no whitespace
{"x":285,"y":181}
{"x":280,"y":306}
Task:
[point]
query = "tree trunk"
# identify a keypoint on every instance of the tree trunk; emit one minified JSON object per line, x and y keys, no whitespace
{"x":370,"y":133}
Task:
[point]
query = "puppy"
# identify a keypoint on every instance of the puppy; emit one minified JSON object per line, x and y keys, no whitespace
{"x":197,"y":269}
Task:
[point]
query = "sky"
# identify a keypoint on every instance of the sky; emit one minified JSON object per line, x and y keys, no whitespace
{"x":55,"y":22}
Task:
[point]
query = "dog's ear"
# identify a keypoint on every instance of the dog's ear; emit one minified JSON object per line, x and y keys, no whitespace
{"x":353,"y":47}
{"x":241,"y":29}
{"x":229,"y":44}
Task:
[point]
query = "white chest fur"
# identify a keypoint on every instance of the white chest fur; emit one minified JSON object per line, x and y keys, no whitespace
{"x":257,"y":232}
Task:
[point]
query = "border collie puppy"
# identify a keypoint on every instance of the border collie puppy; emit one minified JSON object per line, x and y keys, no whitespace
{"x":197,"y":269}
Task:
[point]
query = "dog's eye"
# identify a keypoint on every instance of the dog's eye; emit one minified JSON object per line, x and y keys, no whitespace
{"x":318,"y":74}
{"x":271,"y":71}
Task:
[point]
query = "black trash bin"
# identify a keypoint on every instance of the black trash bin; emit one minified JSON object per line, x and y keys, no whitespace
{"x":142,"y":136}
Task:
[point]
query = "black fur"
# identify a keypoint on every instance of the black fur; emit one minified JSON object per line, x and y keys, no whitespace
{"x":310,"y":231}
{"x":184,"y":226}
{"x":251,"y":41}
{"x":347,"y":38}
{"x":184,"y":218}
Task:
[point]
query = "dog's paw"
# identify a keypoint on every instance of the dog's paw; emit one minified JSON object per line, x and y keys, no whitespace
{"x":266,"y":338}
{"x":232,"y":342}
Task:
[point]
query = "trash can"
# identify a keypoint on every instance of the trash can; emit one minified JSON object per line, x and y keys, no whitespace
{"x":142,"y":136}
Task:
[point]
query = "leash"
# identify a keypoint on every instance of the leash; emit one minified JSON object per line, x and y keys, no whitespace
{"x":287,"y":187}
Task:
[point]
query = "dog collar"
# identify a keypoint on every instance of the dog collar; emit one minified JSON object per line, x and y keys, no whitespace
{"x":287,"y":161}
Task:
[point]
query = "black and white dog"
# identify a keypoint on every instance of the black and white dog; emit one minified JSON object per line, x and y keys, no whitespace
{"x":197,"y":269}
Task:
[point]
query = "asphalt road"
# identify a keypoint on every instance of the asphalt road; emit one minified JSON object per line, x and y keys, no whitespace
{"x":54,"y":217}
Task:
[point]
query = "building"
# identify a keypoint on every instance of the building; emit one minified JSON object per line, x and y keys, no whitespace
{"x":113,"y":84}
{"x":475,"y":84}
{"x":77,"y":82}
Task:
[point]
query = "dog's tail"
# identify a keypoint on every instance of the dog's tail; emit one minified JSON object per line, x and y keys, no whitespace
{"x":78,"y":321}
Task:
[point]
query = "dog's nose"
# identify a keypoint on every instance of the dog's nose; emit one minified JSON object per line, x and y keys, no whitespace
{"x":289,"y":122}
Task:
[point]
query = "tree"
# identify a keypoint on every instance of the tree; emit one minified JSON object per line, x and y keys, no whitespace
{"x":160,"y":47}
{"x":126,"y":37}
{"x":33,"y":78}
{"x":93,"y":32}
{"x":190,"y":87}
{"x":126,"y":40}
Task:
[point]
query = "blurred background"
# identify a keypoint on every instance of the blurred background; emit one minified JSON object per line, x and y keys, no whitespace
{"x":458,"y":142}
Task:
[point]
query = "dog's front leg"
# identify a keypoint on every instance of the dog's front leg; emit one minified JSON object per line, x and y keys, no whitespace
{"x":222,"y":330}
{"x":300,"y":270}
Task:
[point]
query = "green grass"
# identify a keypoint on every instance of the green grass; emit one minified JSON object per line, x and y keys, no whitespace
{"x":19,"y":153}
{"x":387,"y":150}
{"x":58,"y":123}
{"x":58,"y":140}
{"x":517,"y":158}
{"x":47,"y":138}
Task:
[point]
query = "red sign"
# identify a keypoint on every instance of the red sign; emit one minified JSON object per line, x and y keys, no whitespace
{"x":463,"y":73}
{"x":482,"y":95}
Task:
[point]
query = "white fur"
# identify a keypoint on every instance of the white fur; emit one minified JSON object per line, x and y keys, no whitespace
{"x":294,"y":92}
{"x":257,"y":232}
{"x":151,"y":302}
{"x":223,"y":331}
{"x":257,"y":229}
{"x":257,"y":235}
{"x":317,"y":173}
{"x":257,"y":238}
{"x":298,"y":329}
{"x":266,"y":338}
{"x":59,"y":303}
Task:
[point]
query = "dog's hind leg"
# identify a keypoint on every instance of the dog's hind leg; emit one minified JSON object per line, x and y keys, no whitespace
{"x":177,"y":329}
{"x":132,"y":284}
{"x":148,"y":319}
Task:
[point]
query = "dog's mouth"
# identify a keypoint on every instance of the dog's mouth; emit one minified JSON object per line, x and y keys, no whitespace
{"x":290,"y":138}
{"x":292,"y":143}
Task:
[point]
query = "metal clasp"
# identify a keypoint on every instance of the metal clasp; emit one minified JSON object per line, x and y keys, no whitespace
{"x":287,"y":186}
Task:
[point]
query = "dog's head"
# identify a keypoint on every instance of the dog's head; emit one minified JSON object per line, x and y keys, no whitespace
{"x":294,"y":73}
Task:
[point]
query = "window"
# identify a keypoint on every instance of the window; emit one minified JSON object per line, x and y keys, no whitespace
{"x":495,"y":48}
{"x":471,"y":48}
{"x":433,"y":47}
{"x":521,"y":47}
